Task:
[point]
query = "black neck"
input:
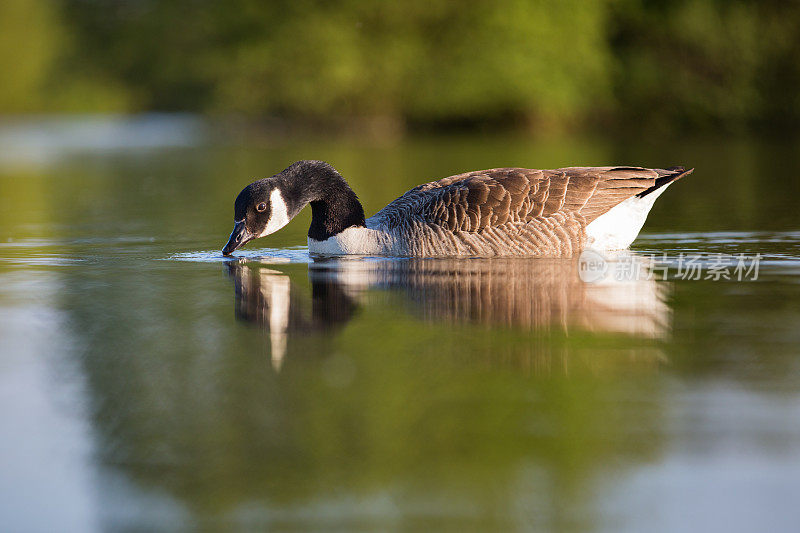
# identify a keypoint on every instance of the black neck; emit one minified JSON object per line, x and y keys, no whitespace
{"x":334,"y":205}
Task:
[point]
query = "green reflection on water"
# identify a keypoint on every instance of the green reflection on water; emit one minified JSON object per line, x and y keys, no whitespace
{"x":407,"y":395}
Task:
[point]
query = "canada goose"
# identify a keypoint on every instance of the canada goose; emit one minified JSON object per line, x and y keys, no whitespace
{"x":497,"y":212}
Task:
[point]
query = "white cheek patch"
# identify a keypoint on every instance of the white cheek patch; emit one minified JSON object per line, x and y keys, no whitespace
{"x":279,"y":216}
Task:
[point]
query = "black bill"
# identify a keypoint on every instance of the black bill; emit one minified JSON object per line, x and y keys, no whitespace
{"x":239,"y":236}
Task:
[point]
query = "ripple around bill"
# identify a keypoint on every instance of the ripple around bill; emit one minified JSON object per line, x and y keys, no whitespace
{"x":774,"y":248}
{"x":260,"y":255}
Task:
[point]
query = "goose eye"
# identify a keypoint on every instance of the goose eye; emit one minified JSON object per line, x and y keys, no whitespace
{"x":261,"y":207}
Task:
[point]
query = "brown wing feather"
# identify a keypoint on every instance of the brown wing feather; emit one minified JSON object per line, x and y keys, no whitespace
{"x":476,"y":200}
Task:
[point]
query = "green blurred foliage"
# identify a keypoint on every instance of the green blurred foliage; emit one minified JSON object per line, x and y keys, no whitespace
{"x":708,"y":63}
{"x":41,"y":66}
{"x":28,"y":44}
{"x":698,"y":64}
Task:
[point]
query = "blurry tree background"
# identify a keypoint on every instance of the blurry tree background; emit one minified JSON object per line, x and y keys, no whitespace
{"x":730,"y":65}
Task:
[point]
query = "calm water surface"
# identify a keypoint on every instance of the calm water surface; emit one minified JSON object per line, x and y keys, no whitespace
{"x":148,"y":384}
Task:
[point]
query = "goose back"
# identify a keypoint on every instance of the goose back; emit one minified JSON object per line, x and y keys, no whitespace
{"x":512,"y":211}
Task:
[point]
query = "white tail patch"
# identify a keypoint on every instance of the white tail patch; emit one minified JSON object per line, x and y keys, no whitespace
{"x":279,"y":214}
{"x":619,"y":227}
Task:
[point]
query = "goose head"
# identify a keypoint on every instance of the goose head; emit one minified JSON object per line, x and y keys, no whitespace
{"x":267,"y":205}
{"x":260,"y":209}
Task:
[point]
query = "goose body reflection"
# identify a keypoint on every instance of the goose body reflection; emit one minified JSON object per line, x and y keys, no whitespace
{"x":523,"y":294}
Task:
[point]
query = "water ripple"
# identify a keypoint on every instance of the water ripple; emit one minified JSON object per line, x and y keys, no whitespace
{"x":297,"y":254}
